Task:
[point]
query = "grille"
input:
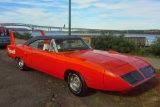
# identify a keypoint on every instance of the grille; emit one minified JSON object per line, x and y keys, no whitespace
{"x":132,"y":77}
{"x":147,"y":71}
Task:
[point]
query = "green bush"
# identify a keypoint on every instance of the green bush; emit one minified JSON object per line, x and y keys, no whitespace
{"x":155,"y":48}
{"x":24,"y":36}
{"x":115,"y":43}
{"x":141,"y":52}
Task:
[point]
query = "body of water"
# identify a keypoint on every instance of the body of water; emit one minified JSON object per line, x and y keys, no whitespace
{"x":150,"y":38}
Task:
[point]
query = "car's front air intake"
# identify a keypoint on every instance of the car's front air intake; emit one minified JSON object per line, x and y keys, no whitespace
{"x":132,"y":77}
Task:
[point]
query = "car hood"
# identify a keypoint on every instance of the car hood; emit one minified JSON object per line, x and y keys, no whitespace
{"x":107,"y":59}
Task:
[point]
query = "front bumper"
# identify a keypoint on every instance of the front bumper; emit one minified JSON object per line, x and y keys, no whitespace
{"x":129,"y":81}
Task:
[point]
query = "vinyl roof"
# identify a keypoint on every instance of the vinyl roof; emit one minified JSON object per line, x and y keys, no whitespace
{"x":49,"y":37}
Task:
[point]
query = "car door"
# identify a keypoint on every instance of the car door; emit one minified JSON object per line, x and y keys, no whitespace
{"x":28,"y":55}
{"x":44,"y":59}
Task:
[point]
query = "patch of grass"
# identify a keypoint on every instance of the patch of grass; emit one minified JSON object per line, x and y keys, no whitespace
{"x":147,"y":95}
{"x":158,"y":71}
{"x":151,"y":56}
{"x":24,"y":36}
{"x":49,"y":104}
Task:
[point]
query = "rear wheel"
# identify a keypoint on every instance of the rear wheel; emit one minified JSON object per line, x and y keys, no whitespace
{"x":77,"y":84}
{"x":21,"y":64}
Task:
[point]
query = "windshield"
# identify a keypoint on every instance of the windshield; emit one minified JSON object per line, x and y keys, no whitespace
{"x":71,"y":44}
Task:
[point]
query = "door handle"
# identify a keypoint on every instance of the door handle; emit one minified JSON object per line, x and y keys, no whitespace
{"x":33,"y":53}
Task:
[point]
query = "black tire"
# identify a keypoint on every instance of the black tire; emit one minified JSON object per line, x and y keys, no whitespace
{"x":76,"y":84}
{"x":21,"y":65}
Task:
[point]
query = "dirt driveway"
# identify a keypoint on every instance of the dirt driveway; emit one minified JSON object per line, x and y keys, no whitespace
{"x":153,"y":61}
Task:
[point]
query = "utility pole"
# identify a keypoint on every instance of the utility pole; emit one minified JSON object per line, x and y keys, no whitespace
{"x":69,"y":28}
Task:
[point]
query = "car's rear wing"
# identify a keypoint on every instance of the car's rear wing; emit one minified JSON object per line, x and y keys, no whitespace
{"x":42,"y":32}
{"x":12,"y":40}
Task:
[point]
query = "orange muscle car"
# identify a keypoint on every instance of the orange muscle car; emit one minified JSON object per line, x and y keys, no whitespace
{"x":73,"y":60}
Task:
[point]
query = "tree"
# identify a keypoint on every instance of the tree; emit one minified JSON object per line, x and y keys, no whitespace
{"x":115,"y":43}
{"x":155,"y":48}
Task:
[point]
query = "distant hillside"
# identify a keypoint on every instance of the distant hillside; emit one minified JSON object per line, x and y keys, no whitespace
{"x":151,"y":31}
{"x":16,"y":29}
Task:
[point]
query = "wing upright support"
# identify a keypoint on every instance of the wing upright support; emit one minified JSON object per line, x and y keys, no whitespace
{"x":13,"y":42}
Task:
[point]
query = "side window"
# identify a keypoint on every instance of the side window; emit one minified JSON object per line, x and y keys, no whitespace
{"x":41,"y":44}
{"x":35,"y":44}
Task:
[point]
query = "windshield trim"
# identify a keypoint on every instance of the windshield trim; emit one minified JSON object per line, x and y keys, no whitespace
{"x":86,"y":45}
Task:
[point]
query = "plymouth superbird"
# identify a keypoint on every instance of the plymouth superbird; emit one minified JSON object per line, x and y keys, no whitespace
{"x":82,"y":67}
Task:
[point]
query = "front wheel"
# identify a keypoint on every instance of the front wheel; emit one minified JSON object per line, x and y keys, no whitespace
{"x":21,"y":64}
{"x":77,"y":84}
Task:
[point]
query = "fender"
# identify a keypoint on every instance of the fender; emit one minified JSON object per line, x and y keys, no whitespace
{"x":11,"y":49}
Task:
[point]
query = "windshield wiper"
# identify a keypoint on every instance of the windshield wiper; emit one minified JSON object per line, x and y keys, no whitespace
{"x":71,"y":49}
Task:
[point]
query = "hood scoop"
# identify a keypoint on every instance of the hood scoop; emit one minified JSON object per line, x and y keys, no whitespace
{"x":112,"y":52}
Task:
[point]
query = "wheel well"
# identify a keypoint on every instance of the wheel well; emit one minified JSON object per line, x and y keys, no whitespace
{"x":16,"y":58}
{"x":67,"y":72}
{"x":82,"y":89}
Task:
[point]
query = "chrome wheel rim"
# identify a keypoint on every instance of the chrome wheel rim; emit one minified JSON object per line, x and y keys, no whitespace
{"x":75,"y":82}
{"x":21,"y":63}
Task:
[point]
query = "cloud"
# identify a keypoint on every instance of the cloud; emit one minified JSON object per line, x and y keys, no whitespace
{"x":104,"y":14}
{"x":35,"y":3}
{"x":135,"y":8}
{"x":34,"y":16}
{"x":47,"y":0}
{"x":80,"y":4}
{"x":5,"y":1}
{"x":83,"y":1}
{"x":34,"y":12}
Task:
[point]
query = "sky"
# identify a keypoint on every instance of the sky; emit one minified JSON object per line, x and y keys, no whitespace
{"x":93,"y":14}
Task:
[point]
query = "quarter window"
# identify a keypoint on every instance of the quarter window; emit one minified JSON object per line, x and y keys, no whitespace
{"x":41,"y":44}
